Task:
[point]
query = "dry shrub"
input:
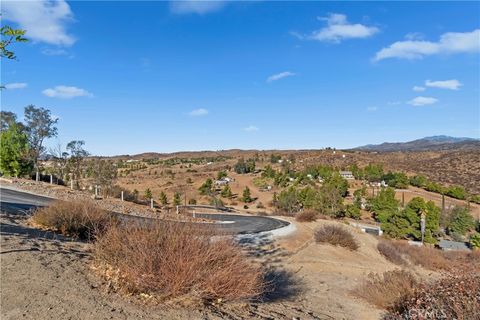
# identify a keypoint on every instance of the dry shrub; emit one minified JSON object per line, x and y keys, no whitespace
{"x":390,"y":252}
{"x":454,"y":297}
{"x":337,"y":236}
{"x":461,"y":259}
{"x":80,"y":219}
{"x":399,"y":252}
{"x":384,"y":291}
{"x":169,"y":260}
{"x":306,"y":216}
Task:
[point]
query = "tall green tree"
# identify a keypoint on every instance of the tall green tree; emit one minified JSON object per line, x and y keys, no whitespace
{"x":459,"y":221}
{"x":8,"y":118}
{"x":40,"y":125}
{"x":77,"y":156}
{"x":384,"y":204}
{"x":14,"y":151}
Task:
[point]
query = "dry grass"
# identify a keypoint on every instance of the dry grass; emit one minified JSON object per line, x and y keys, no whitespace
{"x":80,"y":219}
{"x":337,"y":236}
{"x":386,"y":290}
{"x":453,"y":297}
{"x":306,"y":216}
{"x":390,"y":252}
{"x":177,"y":261}
{"x":400,"y":253}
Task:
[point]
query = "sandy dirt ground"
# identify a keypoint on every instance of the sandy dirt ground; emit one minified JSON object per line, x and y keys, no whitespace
{"x":46,"y":276}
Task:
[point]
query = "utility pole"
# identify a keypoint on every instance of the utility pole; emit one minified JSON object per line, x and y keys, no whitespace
{"x":443,"y":203}
{"x":403,"y":199}
{"x":422,"y":226}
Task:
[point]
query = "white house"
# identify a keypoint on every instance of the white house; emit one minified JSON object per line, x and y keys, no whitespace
{"x":347,"y":175}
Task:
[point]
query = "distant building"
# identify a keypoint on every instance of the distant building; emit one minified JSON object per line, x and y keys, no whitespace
{"x":347,"y":175}
{"x":447,"y":245}
{"x":221,"y":182}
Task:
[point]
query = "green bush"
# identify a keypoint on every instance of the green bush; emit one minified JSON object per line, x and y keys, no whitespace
{"x":353,"y":212}
{"x":475,"y":240}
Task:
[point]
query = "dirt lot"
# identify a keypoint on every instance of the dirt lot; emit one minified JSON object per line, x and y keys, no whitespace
{"x":47,"y":276}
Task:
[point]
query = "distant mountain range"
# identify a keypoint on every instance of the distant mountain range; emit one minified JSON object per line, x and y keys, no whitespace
{"x":433,"y":143}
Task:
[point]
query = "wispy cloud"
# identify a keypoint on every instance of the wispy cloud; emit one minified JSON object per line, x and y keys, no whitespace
{"x":198,"y":112}
{"x":338,"y":29}
{"x":422,"y":101}
{"x":418,"y":88}
{"x":54,"y":52}
{"x":16,"y":85}
{"x":394,"y":103}
{"x":372,"y":109}
{"x":196,"y":6}
{"x":453,"y":84}
{"x":449,"y":43}
{"x":251,"y":129}
{"x":45,"y":20}
{"x":280,"y":75}
{"x":66,"y":92}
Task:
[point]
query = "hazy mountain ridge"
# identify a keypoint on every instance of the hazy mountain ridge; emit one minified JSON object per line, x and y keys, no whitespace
{"x":432,"y":143}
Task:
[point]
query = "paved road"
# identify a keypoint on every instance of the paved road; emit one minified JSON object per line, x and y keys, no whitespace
{"x":21,"y":201}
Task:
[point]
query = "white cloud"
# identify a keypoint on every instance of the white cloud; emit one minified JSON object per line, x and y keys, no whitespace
{"x":338,"y":28}
{"x":280,"y":75}
{"x":422,"y":101}
{"x":65,"y":92}
{"x":453,"y":84}
{"x":372,"y":109}
{"x":418,"y":89}
{"x":16,"y":85}
{"x":198,"y":112}
{"x":449,"y":43}
{"x":251,"y":129}
{"x":195,"y":6}
{"x":54,"y":52}
{"x":44,"y":20}
{"x":414,"y":36}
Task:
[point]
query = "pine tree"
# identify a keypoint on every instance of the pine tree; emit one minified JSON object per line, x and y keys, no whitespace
{"x":148,"y":194}
{"x":226,"y":192}
{"x":163,"y":198}
{"x":177,"y":199}
{"x":246,"y":195}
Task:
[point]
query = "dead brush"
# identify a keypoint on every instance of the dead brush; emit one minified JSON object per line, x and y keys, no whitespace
{"x":337,"y":236}
{"x":306,"y":216}
{"x":453,"y":297}
{"x":170,"y":260}
{"x":383,"y":291}
{"x":400,"y":252}
{"x":80,"y":219}
{"x":390,"y":252}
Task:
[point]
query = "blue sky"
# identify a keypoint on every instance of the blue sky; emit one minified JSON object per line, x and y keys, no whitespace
{"x":131,"y":77}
